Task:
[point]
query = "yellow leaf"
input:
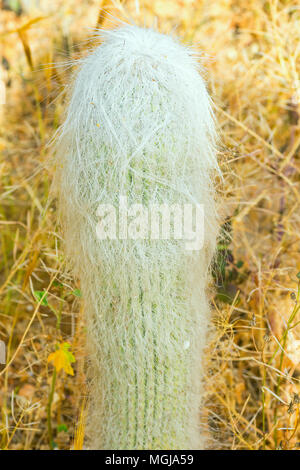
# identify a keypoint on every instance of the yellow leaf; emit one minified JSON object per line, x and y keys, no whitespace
{"x":62,"y":358}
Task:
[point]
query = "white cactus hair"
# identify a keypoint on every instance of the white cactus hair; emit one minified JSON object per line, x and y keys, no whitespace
{"x":139,"y":123}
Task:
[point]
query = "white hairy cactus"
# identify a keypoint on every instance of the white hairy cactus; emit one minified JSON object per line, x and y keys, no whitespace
{"x":139,"y":125}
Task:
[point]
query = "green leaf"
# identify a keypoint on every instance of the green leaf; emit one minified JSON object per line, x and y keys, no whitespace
{"x":58,"y":284}
{"x":39,"y":295}
{"x":77,"y":292}
{"x":15,"y":6}
{"x":62,"y":427}
{"x":222,"y":247}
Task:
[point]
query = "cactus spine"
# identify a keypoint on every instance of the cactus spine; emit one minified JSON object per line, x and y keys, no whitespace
{"x":139,"y":125}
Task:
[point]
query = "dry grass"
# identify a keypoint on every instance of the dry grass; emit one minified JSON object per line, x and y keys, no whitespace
{"x":253,"y":374}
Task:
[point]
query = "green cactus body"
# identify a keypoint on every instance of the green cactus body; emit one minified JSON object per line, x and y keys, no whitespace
{"x":139,"y":126}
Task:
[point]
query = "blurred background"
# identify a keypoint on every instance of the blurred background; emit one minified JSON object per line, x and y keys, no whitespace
{"x":250,"y":51}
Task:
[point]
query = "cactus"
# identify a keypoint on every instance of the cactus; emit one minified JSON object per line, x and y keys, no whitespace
{"x":139,"y":125}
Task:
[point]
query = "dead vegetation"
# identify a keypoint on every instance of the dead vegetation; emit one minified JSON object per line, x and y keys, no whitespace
{"x":251,"y":52}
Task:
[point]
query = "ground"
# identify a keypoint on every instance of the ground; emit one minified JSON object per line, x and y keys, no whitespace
{"x":250,"y":51}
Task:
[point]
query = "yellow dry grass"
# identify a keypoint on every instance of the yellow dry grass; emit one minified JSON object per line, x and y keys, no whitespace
{"x":251,"y":52}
